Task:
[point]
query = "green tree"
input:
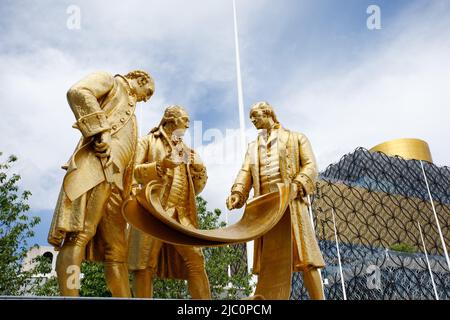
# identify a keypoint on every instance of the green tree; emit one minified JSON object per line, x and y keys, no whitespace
{"x":46,"y":288}
{"x":15,"y":228}
{"x":43,"y":286}
{"x":170,"y":289}
{"x":92,"y":284}
{"x":403,"y":247}
{"x":218,"y":260}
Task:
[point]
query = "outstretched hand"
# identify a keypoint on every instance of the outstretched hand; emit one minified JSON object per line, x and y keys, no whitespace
{"x":233,"y":201}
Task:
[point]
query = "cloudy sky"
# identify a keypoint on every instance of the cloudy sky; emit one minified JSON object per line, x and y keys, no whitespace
{"x":316,"y":62}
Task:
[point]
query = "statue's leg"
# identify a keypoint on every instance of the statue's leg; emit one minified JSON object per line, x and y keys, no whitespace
{"x":68,"y":264}
{"x":116,"y":275}
{"x":112,"y":230}
{"x":313,"y":284}
{"x":143,"y":278}
{"x":73,"y":250}
{"x":198,"y":279}
{"x":143,"y":283}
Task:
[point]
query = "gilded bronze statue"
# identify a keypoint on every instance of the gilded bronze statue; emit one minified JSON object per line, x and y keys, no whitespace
{"x":164,"y":158}
{"x":87,"y":222}
{"x":281,"y":156}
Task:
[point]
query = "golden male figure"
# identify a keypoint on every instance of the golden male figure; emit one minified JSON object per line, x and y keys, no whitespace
{"x":164,"y":157}
{"x":282,"y":156}
{"x":87,"y":223}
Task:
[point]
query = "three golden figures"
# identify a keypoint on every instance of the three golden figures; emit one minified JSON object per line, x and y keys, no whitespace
{"x":129,"y":202}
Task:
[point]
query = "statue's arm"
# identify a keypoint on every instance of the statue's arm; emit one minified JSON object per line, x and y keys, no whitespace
{"x":243,"y":182}
{"x":83,"y":99}
{"x":142,"y":149}
{"x":145,"y":171}
{"x":308,"y":167}
{"x":198,"y":173}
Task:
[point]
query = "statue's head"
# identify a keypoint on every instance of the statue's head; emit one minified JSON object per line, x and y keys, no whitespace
{"x":175,"y":120}
{"x":262,"y":115}
{"x":142,"y":84}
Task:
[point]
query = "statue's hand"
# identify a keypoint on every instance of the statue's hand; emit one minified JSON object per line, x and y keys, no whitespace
{"x":233,"y":201}
{"x":169,"y":163}
{"x":102,"y":147}
{"x":300,"y":191}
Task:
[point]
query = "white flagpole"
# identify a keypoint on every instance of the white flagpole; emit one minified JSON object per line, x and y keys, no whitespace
{"x":250,"y":244}
{"x":239,"y":81}
{"x":339,"y":256}
{"x":436,"y":217}
{"x":314,"y":229}
{"x":428,"y":263}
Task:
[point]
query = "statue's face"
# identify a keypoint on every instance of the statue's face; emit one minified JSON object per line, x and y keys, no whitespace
{"x":261,"y":120}
{"x":143,"y":92}
{"x":181,"y":124}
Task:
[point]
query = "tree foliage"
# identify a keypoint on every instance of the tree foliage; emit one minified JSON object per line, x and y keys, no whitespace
{"x":93,"y":283}
{"x":42,"y":286}
{"x":403,"y":247}
{"x":15,"y":228}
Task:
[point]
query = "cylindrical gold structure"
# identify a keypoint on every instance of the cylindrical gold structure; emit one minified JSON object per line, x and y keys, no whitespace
{"x":406,"y":148}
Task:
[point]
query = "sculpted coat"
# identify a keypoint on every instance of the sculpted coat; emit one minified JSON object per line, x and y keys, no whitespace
{"x":297,"y":163}
{"x":99,"y":102}
{"x":152,"y":149}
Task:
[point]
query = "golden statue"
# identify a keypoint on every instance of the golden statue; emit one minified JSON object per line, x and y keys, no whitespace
{"x":281,"y":156}
{"x":87,"y":223}
{"x":164,"y":158}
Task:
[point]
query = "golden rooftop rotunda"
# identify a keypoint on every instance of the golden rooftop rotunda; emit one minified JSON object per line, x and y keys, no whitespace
{"x":406,"y":148}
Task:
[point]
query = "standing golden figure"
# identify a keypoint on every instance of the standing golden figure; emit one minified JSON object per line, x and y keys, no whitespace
{"x":163,"y":157}
{"x":281,"y":156}
{"x":87,"y":223}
